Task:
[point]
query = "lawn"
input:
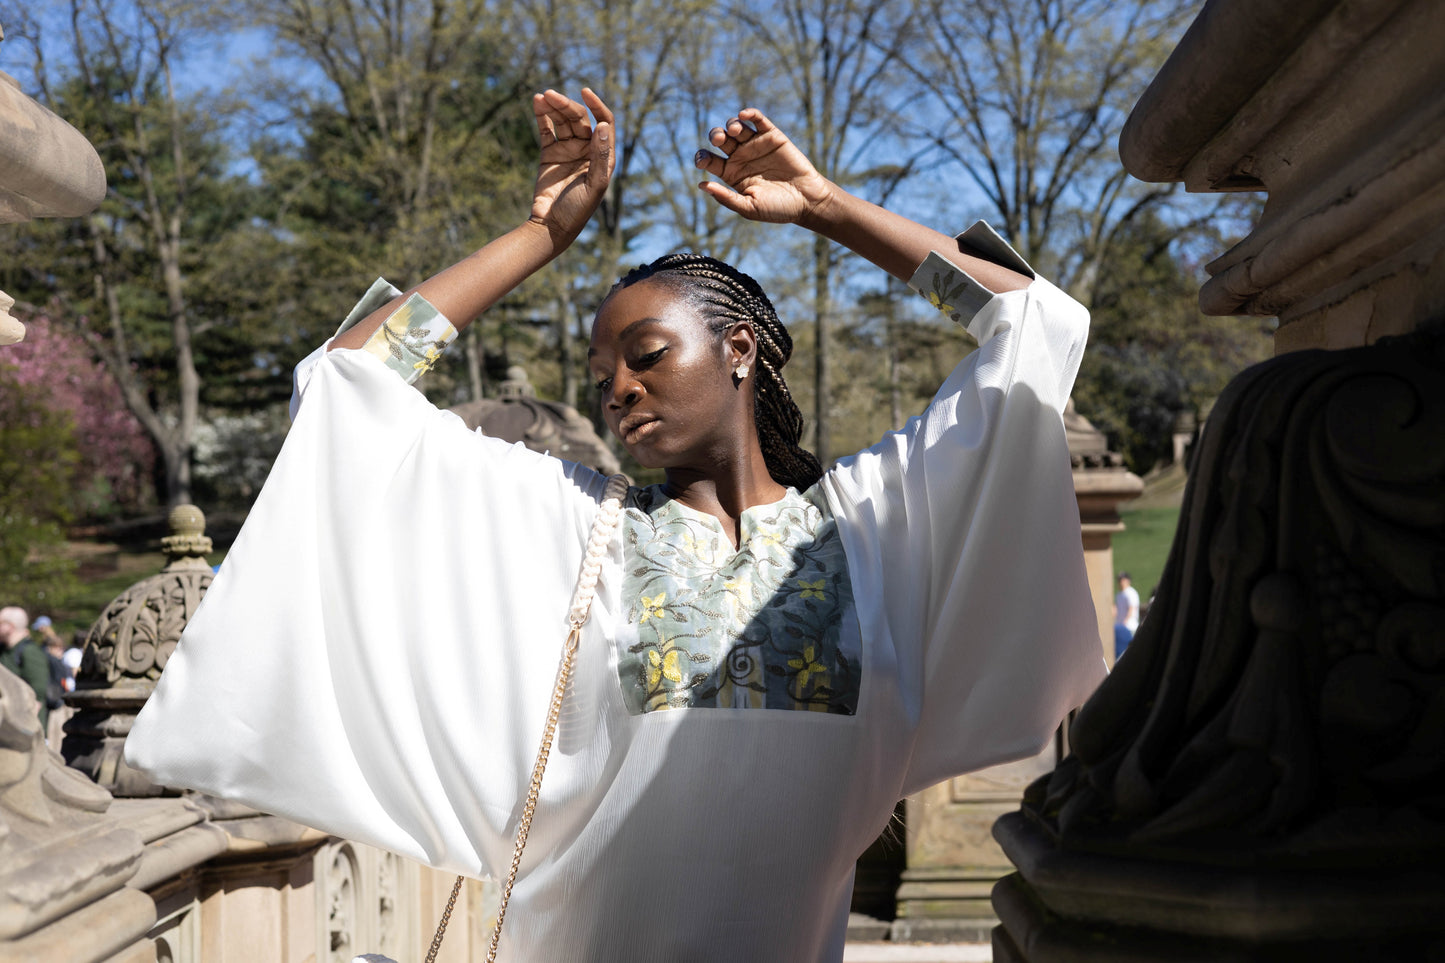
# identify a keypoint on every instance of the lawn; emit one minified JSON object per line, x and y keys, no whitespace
{"x":1142,"y":547}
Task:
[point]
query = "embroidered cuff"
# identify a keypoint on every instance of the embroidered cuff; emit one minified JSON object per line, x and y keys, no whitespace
{"x":951,"y":289}
{"x":412,"y":340}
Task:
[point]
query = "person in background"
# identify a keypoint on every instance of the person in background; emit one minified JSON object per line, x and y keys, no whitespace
{"x":62,"y":680}
{"x":74,"y":654}
{"x":1126,"y":614}
{"x":22,"y":656}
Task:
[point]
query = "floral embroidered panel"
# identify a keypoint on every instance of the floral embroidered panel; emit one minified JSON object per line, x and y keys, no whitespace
{"x":757,"y":627}
{"x":412,"y":339}
{"x":950,"y":289}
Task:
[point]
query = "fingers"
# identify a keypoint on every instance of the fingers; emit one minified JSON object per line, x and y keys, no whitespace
{"x":601,"y":111}
{"x":560,"y":116}
{"x":731,"y":135}
{"x":755,"y":118}
{"x":604,"y":154}
{"x":730,"y":199}
{"x":706,"y":160}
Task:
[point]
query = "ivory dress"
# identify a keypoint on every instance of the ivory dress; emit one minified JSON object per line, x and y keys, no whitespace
{"x":375,"y":656}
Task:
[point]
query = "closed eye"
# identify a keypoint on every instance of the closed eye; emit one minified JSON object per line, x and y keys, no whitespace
{"x":651,"y":358}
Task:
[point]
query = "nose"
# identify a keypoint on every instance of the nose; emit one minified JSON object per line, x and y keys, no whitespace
{"x":626,"y":391}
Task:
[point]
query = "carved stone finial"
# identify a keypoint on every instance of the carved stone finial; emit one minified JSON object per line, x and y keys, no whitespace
{"x":517,"y":384}
{"x":126,"y":650}
{"x":187,"y":545}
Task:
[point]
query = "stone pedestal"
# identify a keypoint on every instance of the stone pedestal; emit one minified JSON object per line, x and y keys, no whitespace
{"x":953,"y":861}
{"x":1260,"y":777}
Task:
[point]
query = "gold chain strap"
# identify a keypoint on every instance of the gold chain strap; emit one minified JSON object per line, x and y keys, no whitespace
{"x":603,"y":526}
{"x":554,"y":711}
{"x":436,"y":941}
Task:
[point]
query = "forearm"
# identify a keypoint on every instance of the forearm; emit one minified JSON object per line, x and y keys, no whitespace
{"x":897,"y":244}
{"x":467,"y":288}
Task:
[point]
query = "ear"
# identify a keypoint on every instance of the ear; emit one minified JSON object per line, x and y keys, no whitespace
{"x":741,"y":345}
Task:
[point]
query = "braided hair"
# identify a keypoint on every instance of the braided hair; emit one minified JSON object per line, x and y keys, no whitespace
{"x":726,"y":296}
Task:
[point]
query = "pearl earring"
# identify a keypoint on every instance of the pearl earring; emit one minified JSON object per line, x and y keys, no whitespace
{"x":741,"y":371}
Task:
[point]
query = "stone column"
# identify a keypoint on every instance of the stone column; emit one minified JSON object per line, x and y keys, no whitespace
{"x":1101,"y":485}
{"x":1260,"y":777}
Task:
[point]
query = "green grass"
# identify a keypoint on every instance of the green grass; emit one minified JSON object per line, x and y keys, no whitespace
{"x":1142,"y":547}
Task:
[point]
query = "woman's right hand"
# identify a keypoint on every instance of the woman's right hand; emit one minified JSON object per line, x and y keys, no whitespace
{"x":768,"y":178}
{"x":575,"y":165}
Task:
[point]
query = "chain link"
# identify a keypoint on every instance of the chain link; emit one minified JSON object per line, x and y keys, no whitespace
{"x":436,"y":942}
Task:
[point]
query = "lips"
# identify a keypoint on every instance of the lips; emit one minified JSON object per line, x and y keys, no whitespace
{"x":634,"y":426}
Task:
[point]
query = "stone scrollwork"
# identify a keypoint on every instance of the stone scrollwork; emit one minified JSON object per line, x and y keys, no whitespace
{"x":388,"y":904}
{"x":137,"y":632}
{"x":1283,"y":705}
{"x":342,"y":913}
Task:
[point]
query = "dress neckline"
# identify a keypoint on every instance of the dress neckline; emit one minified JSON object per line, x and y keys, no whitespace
{"x":747,"y":521}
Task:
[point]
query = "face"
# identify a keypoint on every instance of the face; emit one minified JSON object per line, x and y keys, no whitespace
{"x":665,"y":379}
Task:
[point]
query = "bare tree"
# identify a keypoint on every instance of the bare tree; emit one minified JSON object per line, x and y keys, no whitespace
{"x":833,"y":62}
{"x":638,"y":55}
{"x":1029,"y":98}
{"x":119,"y":84}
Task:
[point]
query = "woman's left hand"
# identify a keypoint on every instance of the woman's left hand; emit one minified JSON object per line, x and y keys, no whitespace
{"x":576,"y":162}
{"x":769,"y":177}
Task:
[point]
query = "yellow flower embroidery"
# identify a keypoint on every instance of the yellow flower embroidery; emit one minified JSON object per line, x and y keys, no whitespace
{"x":938,"y":302}
{"x":427,"y":363}
{"x":813,"y":590}
{"x":660,"y":666}
{"x":652,"y":607}
{"x":807,"y":667}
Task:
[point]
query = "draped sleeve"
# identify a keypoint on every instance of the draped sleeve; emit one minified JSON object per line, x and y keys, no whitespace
{"x":375,"y":655}
{"x":963,"y":535}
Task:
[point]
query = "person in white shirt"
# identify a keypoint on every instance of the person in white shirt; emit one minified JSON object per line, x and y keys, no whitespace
{"x":1126,"y":614}
{"x":776,"y":654}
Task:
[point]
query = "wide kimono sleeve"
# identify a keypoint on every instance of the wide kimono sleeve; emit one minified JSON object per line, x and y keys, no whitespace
{"x":375,"y":655}
{"x":962,"y":531}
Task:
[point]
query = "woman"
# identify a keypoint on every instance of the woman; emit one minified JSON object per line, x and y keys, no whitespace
{"x":776,"y":654}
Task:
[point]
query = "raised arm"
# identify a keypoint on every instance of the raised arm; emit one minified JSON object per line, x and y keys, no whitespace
{"x":767,"y":178}
{"x":575,"y":166}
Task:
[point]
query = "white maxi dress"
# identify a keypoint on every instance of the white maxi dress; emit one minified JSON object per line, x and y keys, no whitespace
{"x":375,"y":657}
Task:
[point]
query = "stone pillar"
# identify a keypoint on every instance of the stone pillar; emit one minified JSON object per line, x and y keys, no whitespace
{"x":1260,"y":777}
{"x":1101,"y":484}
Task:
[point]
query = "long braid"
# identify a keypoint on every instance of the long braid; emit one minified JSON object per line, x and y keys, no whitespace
{"x":727,"y":296}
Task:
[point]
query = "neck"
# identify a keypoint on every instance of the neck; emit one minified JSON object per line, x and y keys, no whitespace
{"x":726,"y":494}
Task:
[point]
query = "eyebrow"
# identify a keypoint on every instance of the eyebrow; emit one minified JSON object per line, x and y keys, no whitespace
{"x":592,"y":352}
